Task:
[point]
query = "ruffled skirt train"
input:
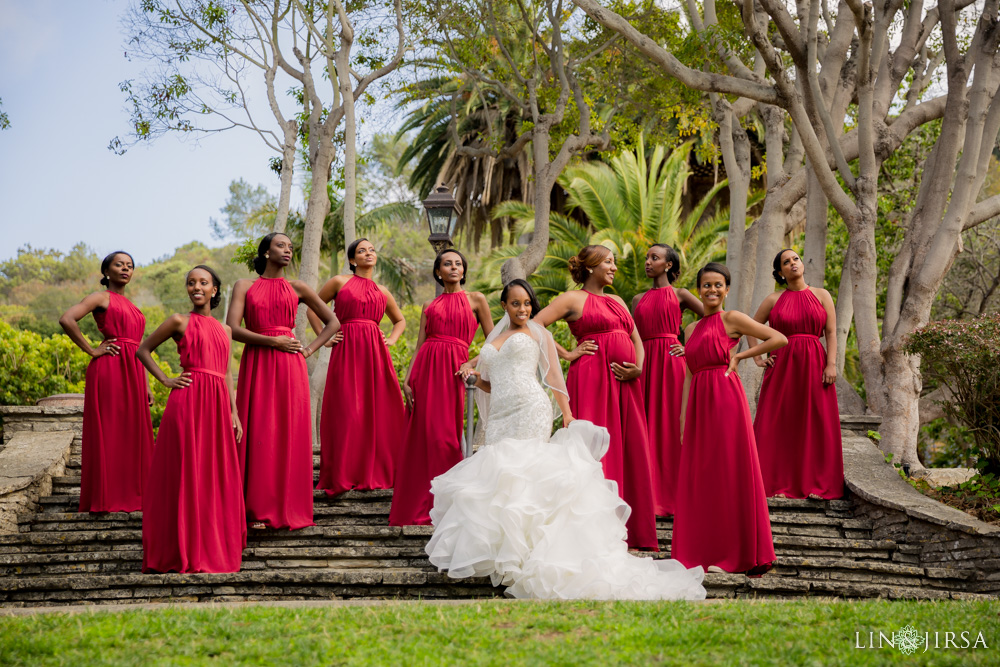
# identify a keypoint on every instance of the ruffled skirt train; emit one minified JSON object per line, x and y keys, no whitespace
{"x":540,"y":518}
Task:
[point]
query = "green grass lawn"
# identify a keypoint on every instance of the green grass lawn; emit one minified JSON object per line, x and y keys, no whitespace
{"x":503,"y":633}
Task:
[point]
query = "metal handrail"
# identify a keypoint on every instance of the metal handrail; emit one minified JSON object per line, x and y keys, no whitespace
{"x":470,"y":416}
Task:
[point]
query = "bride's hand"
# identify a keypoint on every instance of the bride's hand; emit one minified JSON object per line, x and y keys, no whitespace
{"x":465,"y":370}
{"x":567,"y":420}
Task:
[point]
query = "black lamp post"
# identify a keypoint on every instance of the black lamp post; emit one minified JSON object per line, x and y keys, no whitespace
{"x":442,"y":215}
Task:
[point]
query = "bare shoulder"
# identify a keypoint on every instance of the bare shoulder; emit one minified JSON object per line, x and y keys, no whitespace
{"x":477,"y":298}
{"x":619,"y":300}
{"x":100,"y":299}
{"x":637,"y":298}
{"x":772,"y":298}
{"x":689,"y":329}
{"x":242,"y":285}
{"x":823,"y":295}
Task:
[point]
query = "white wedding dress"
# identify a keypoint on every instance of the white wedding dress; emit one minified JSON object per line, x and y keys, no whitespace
{"x":537,"y":515}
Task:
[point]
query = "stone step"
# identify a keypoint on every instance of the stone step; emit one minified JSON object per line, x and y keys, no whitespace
{"x":341,"y":583}
{"x":263,"y":584}
{"x":64,"y":521}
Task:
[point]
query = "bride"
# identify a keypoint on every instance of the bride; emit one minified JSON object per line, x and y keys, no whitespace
{"x":535,"y":513}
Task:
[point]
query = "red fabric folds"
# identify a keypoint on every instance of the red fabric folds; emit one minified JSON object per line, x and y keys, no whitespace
{"x":434,"y":433}
{"x":117,"y":429}
{"x":362,"y":421}
{"x":721,"y":516}
{"x":658,"y":319}
{"x":193,"y":516}
{"x":273,"y":400}
{"x":595,"y":395}
{"x":798,"y":422}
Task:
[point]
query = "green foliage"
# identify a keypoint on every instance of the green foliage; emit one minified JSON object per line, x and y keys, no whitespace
{"x":964,"y":356}
{"x":39,"y":284}
{"x":4,"y":119}
{"x":942,"y":444}
{"x":628,"y":204}
{"x":33,"y":366}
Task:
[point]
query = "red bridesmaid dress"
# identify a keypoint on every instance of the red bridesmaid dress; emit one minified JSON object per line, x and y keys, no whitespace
{"x":434,"y":435}
{"x":798,"y":422}
{"x":272,"y":396}
{"x":193,"y":519}
{"x":117,"y":430}
{"x":658,"y":319}
{"x":595,"y":395}
{"x":720,"y":515}
{"x":363,"y":420}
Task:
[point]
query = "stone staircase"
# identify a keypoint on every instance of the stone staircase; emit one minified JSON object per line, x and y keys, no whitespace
{"x":62,"y":557}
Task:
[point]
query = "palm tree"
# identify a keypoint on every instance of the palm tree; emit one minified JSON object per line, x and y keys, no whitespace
{"x":477,"y":182}
{"x":629,"y":204}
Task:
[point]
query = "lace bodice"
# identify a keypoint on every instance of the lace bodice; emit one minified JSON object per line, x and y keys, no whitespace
{"x":519,"y":407}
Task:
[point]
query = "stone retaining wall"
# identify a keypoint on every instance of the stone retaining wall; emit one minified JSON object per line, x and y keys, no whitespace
{"x":39,"y":419}
{"x":36,"y":447}
{"x":927,"y":533}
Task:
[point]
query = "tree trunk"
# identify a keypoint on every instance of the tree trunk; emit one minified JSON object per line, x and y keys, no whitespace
{"x":350,"y":149}
{"x":317,"y":209}
{"x":901,"y":407}
{"x":525,"y":264}
{"x":736,"y":158}
{"x":844,"y":310}
{"x":287,"y":172}
{"x":814,"y":253}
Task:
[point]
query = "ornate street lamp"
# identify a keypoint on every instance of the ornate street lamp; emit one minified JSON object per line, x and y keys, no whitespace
{"x":442,"y":215}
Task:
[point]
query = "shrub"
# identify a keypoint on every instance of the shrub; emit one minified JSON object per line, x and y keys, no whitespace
{"x":33,"y":366}
{"x":964,"y":356}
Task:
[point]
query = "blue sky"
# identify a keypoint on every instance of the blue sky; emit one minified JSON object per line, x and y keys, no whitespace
{"x":62,"y":61}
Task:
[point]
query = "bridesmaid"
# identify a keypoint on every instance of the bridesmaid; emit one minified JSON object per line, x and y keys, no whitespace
{"x":272,"y":393}
{"x":434,"y":394}
{"x":721,"y":519}
{"x":362,"y":422}
{"x":603,"y":381}
{"x":798,"y":422}
{"x":657,"y":316}
{"x":193,"y":519}
{"x":117,"y":430}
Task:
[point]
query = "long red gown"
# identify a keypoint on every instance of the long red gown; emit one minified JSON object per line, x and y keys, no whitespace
{"x":721,"y":515}
{"x":363,"y":420}
{"x":798,"y":423}
{"x":434,"y":435}
{"x":658,"y":319}
{"x":193,"y":519}
{"x":595,"y":395}
{"x":117,"y":430}
{"x":272,"y":396}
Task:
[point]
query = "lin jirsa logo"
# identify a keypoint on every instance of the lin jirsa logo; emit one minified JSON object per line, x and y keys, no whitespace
{"x":909,"y":641}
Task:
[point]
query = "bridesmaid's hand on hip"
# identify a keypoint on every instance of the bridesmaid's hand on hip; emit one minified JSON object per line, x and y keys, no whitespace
{"x":180,"y":382}
{"x":287,"y":344}
{"x":337,"y":337}
{"x":108,"y":346}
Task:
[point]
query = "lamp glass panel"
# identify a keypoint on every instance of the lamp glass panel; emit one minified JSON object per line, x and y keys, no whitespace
{"x":440,"y":220}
